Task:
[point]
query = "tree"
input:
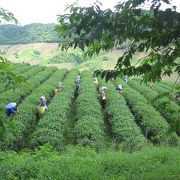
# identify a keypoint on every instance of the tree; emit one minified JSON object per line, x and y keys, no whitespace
{"x":149,"y":30}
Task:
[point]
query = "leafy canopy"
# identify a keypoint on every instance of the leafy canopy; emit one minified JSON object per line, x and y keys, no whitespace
{"x":149,"y":30}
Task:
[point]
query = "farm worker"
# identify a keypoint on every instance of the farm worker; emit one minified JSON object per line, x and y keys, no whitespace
{"x":11,"y":109}
{"x":119,"y":88}
{"x":60,"y":86}
{"x":102,"y":95}
{"x":125,"y":78}
{"x":95,"y":80}
{"x":43,"y":102}
{"x":78,"y":78}
{"x":77,"y":82}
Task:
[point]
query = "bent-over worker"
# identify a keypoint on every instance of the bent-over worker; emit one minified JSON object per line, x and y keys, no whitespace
{"x":119,"y":88}
{"x":102,"y":95}
{"x":43,"y":102}
{"x":11,"y":109}
{"x":77,"y":82}
{"x":60,"y":86}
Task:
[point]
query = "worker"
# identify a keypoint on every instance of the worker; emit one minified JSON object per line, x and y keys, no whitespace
{"x":43,"y":103}
{"x":102,"y":95}
{"x":78,"y":78}
{"x":119,"y":88}
{"x":11,"y":109}
{"x":125,"y":78}
{"x":60,"y":86}
{"x":77,"y":82}
{"x":43,"y":107}
{"x":95,"y":80}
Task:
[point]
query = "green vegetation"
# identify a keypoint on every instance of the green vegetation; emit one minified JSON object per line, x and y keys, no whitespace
{"x":76,"y":130}
{"x":83,"y":163}
{"x":27,"y":55}
{"x":153,"y":31}
{"x":52,"y":127}
{"x":153,"y":125}
{"x":168,"y":108}
{"x":73,"y":56}
{"x":122,"y":122}
{"x":89,"y":125}
{"x":32,"y":33}
{"x":91,"y":148}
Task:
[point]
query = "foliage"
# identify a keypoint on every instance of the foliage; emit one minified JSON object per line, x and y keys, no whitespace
{"x":82,"y":163}
{"x":51,"y":128}
{"x":68,"y":57}
{"x":153,"y":125}
{"x":26,"y":118}
{"x":88,"y":130}
{"x":32,"y":33}
{"x":122,"y":121}
{"x":7,"y":82}
{"x":17,"y":94}
{"x":170,"y":110}
{"x":152,"y":30}
{"x":7,"y":16}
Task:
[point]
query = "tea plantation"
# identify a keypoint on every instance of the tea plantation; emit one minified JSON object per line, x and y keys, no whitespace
{"x":78,"y":138}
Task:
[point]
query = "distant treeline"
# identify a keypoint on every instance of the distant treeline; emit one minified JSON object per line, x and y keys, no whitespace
{"x":32,"y":33}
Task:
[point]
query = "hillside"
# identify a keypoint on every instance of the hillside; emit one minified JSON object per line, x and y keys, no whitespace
{"x":32,"y":33}
{"x":127,"y":137}
{"x":50,"y":54}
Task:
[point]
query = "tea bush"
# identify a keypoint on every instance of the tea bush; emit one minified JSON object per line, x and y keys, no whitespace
{"x":121,"y":120}
{"x":89,"y":126}
{"x":51,"y":128}
{"x":152,"y":123}
{"x":26,"y":119}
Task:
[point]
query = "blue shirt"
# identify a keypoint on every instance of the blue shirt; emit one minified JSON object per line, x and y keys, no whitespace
{"x":43,"y":102}
{"x":11,"y":111}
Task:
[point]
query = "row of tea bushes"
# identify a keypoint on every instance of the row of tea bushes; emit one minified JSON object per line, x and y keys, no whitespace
{"x":151,"y":122}
{"x":6,"y":82}
{"x":122,"y":122}
{"x":26,"y":120}
{"x":89,"y":126}
{"x":170,"y":111}
{"x":52,"y":127}
{"x":19,"y":93}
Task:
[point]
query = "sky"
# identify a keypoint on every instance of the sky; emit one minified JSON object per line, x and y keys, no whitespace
{"x":46,"y":11}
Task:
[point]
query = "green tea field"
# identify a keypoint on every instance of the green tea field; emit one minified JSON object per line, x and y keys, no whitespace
{"x":78,"y":138}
